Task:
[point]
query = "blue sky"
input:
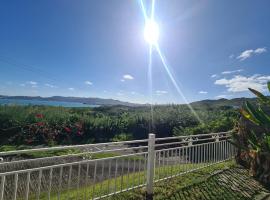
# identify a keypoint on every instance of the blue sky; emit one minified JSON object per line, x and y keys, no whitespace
{"x":97,"y":49}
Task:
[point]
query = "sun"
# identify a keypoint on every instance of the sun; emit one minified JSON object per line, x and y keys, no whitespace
{"x":151,"y":32}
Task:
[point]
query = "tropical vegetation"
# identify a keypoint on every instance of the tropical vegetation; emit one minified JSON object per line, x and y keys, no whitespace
{"x":253,"y":137}
{"x":45,"y":125}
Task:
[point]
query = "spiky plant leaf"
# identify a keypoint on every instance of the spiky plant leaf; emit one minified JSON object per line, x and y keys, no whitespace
{"x":254,"y":141}
{"x":268,"y":141}
{"x":254,"y":116}
{"x":264,"y":118}
{"x":260,"y":96}
{"x":248,"y":116}
{"x":268,"y":84}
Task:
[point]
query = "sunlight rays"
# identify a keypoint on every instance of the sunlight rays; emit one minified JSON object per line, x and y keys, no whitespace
{"x":150,"y":85}
{"x":143,"y":10}
{"x":154,"y":45}
{"x":166,"y":66}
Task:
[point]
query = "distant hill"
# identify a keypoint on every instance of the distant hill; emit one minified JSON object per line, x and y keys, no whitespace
{"x":236,"y":102}
{"x":84,"y":100}
{"x":208,"y":103}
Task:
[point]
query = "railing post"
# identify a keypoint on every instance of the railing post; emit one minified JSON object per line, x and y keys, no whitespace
{"x":150,"y":166}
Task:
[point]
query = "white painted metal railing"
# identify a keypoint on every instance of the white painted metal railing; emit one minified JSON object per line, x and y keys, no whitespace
{"x":83,"y":175}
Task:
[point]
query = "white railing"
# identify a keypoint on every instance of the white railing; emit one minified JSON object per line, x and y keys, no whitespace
{"x":83,"y":175}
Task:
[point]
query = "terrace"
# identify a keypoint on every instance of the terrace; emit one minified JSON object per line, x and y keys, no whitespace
{"x":185,"y":167}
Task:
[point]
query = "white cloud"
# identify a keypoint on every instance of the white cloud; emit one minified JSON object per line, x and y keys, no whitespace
{"x":203,"y":92}
{"x":133,"y":93}
{"x":161,"y":92}
{"x":242,"y":83}
{"x":71,"y":89}
{"x":49,"y":85}
{"x":245,"y":54}
{"x":88,"y":83}
{"x":260,"y":50}
{"x":128,"y":77}
{"x":231,"y":72}
{"x":122,"y":80}
{"x":214,"y":76}
{"x":250,"y":52}
{"x":231,"y":56}
{"x":120,"y":94}
{"x":32,"y":82}
{"x":223,"y":96}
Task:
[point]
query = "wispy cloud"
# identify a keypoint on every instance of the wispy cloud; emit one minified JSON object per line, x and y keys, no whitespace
{"x":232,"y":72}
{"x":50,"y":85}
{"x":223,"y":96}
{"x":231,"y":56}
{"x":242,"y":83}
{"x":120,"y":94}
{"x":250,"y":52}
{"x":128,"y":77}
{"x":161,"y":92}
{"x":203,"y":92}
{"x":71,"y":89}
{"x":32,"y":82}
{"x":260,"y":50}
{"x":214,"y":76}
{"x":22,"y":85}
{"x":88,"y":83}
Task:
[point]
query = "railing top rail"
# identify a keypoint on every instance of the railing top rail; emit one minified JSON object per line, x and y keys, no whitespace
{"x":71,"y":147}
{"x":190,"y":136}
{"x":206,"y":140}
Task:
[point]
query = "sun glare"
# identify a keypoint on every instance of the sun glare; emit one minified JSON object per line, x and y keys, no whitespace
{"x":151,"y":32}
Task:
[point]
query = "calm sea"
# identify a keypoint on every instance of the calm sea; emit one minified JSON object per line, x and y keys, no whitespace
{"x":45,"y":103}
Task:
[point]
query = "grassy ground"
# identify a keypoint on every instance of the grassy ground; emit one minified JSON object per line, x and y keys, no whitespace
{"x":223,"y":181}
{"x":220,"y":181}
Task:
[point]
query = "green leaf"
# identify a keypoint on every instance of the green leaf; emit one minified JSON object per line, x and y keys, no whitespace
{"x":261,"y":97}
{"x":265,"y":119}
{"x":268,"y":84}
{"x":248,"y":116}
{"x":253,"y":141}
{"x":253,"y":112}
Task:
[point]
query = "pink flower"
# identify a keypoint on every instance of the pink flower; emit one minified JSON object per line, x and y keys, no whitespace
{"x":67,"y":129}
{"x":79,"y":133}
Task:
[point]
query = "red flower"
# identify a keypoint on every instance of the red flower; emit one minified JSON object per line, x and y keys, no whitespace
{"x":40,"y":123}
{"x":39,"y":116}
{"x":29,"y":141}
{"x":67,"y":129}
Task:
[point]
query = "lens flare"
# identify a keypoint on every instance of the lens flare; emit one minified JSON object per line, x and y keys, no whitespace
{"x":151,"y":35}
{"x":166,"y":66}
{"x":151,"y":32}
{"x":150,"y":87}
